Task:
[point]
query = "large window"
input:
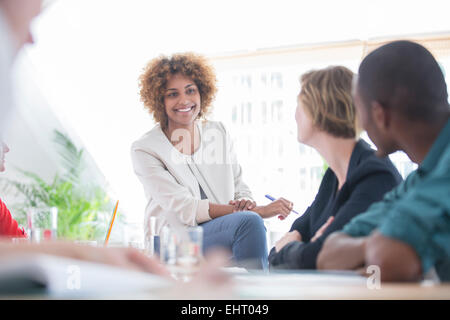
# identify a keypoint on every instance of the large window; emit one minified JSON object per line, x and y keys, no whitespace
{"x":266,"y":136}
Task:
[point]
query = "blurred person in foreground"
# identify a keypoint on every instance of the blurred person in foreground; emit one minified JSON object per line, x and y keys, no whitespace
{"x":15,"y":19}
{"x":8,"y":225}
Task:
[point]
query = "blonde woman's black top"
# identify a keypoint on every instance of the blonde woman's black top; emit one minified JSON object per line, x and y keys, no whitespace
{"x":368,"y":179}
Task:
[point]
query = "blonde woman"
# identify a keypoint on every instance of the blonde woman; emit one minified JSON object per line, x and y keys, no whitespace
{"x":356,"y":177}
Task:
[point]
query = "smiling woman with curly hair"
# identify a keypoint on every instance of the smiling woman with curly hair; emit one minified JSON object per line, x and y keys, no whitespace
{"x":155,"y":77}
{"x":173,"y":162}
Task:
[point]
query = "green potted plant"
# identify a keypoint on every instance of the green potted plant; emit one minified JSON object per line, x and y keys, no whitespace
{"x":84,"y":208}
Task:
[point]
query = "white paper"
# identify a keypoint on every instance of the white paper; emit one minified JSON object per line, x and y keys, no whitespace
{"x":65,"y":277}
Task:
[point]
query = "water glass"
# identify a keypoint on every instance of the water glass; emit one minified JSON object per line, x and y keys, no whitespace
{"x":189,"y":253}
{"x":152,"y":243}
{"x":42,"y":224}
{"x":168,"y":246}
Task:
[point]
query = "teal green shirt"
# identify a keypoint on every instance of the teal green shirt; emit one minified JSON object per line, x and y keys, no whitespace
{"x":417,"y":212}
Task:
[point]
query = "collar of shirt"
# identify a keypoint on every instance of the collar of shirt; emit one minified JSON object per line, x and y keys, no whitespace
{"x":355,"y":158}
{"x":435,"y":153}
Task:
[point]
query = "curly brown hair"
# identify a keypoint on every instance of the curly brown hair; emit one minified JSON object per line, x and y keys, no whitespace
{"x":157,"y":72}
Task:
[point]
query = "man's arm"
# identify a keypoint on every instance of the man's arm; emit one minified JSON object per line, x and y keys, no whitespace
{"x":397,"y":260}
{"x":342,"y":252}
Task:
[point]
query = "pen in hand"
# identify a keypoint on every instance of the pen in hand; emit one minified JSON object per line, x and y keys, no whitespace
{"x":268,"y":196}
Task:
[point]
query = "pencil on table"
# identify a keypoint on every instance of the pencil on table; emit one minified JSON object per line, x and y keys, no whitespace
{"x":111,"y":224}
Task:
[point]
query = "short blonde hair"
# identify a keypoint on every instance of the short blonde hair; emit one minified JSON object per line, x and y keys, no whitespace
{"x":326,"y":94}
{"x":157,"y":72}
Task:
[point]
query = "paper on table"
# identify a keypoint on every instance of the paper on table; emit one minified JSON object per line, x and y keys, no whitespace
{"x":70,"y":277}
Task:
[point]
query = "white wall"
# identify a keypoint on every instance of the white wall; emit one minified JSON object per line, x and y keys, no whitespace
{"x":30,"y":133}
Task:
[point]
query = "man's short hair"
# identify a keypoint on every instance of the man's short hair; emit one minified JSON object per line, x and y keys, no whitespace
{"x":405,"y":76}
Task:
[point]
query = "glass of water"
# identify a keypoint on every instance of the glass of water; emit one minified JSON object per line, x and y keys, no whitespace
{"x":152,"y":243}
{"x":168,"y":246}
{"x":42,"y":223}
{"x":189,"y":254}
{"x":189,"y":251}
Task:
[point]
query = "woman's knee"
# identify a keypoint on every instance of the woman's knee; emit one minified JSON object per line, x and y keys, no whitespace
{"x":251,"y":220}
{"x":250,"y":245}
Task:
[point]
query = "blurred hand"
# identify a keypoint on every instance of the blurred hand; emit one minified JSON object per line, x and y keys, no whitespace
{"x":128,"y":258}
{"x":281,"y":207}
{"x":211,"y":267}
{"x":288,"y":237}
{"x":322,"y":229}
{"x":243,"y":205}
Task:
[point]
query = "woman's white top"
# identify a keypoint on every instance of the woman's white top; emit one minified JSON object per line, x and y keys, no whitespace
{"x":171,"y":179}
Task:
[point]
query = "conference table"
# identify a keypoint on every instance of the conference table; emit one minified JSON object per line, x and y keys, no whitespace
{"x":304,"y":285}
{"x":96,"y":281}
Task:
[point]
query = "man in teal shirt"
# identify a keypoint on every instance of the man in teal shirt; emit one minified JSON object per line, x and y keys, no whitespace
{"x":402,"y":101}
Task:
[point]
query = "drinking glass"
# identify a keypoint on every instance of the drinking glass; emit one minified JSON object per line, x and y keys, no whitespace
{"x":189,"y":253}
{"x":152,"y":243}
{"x":42,"y":223}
